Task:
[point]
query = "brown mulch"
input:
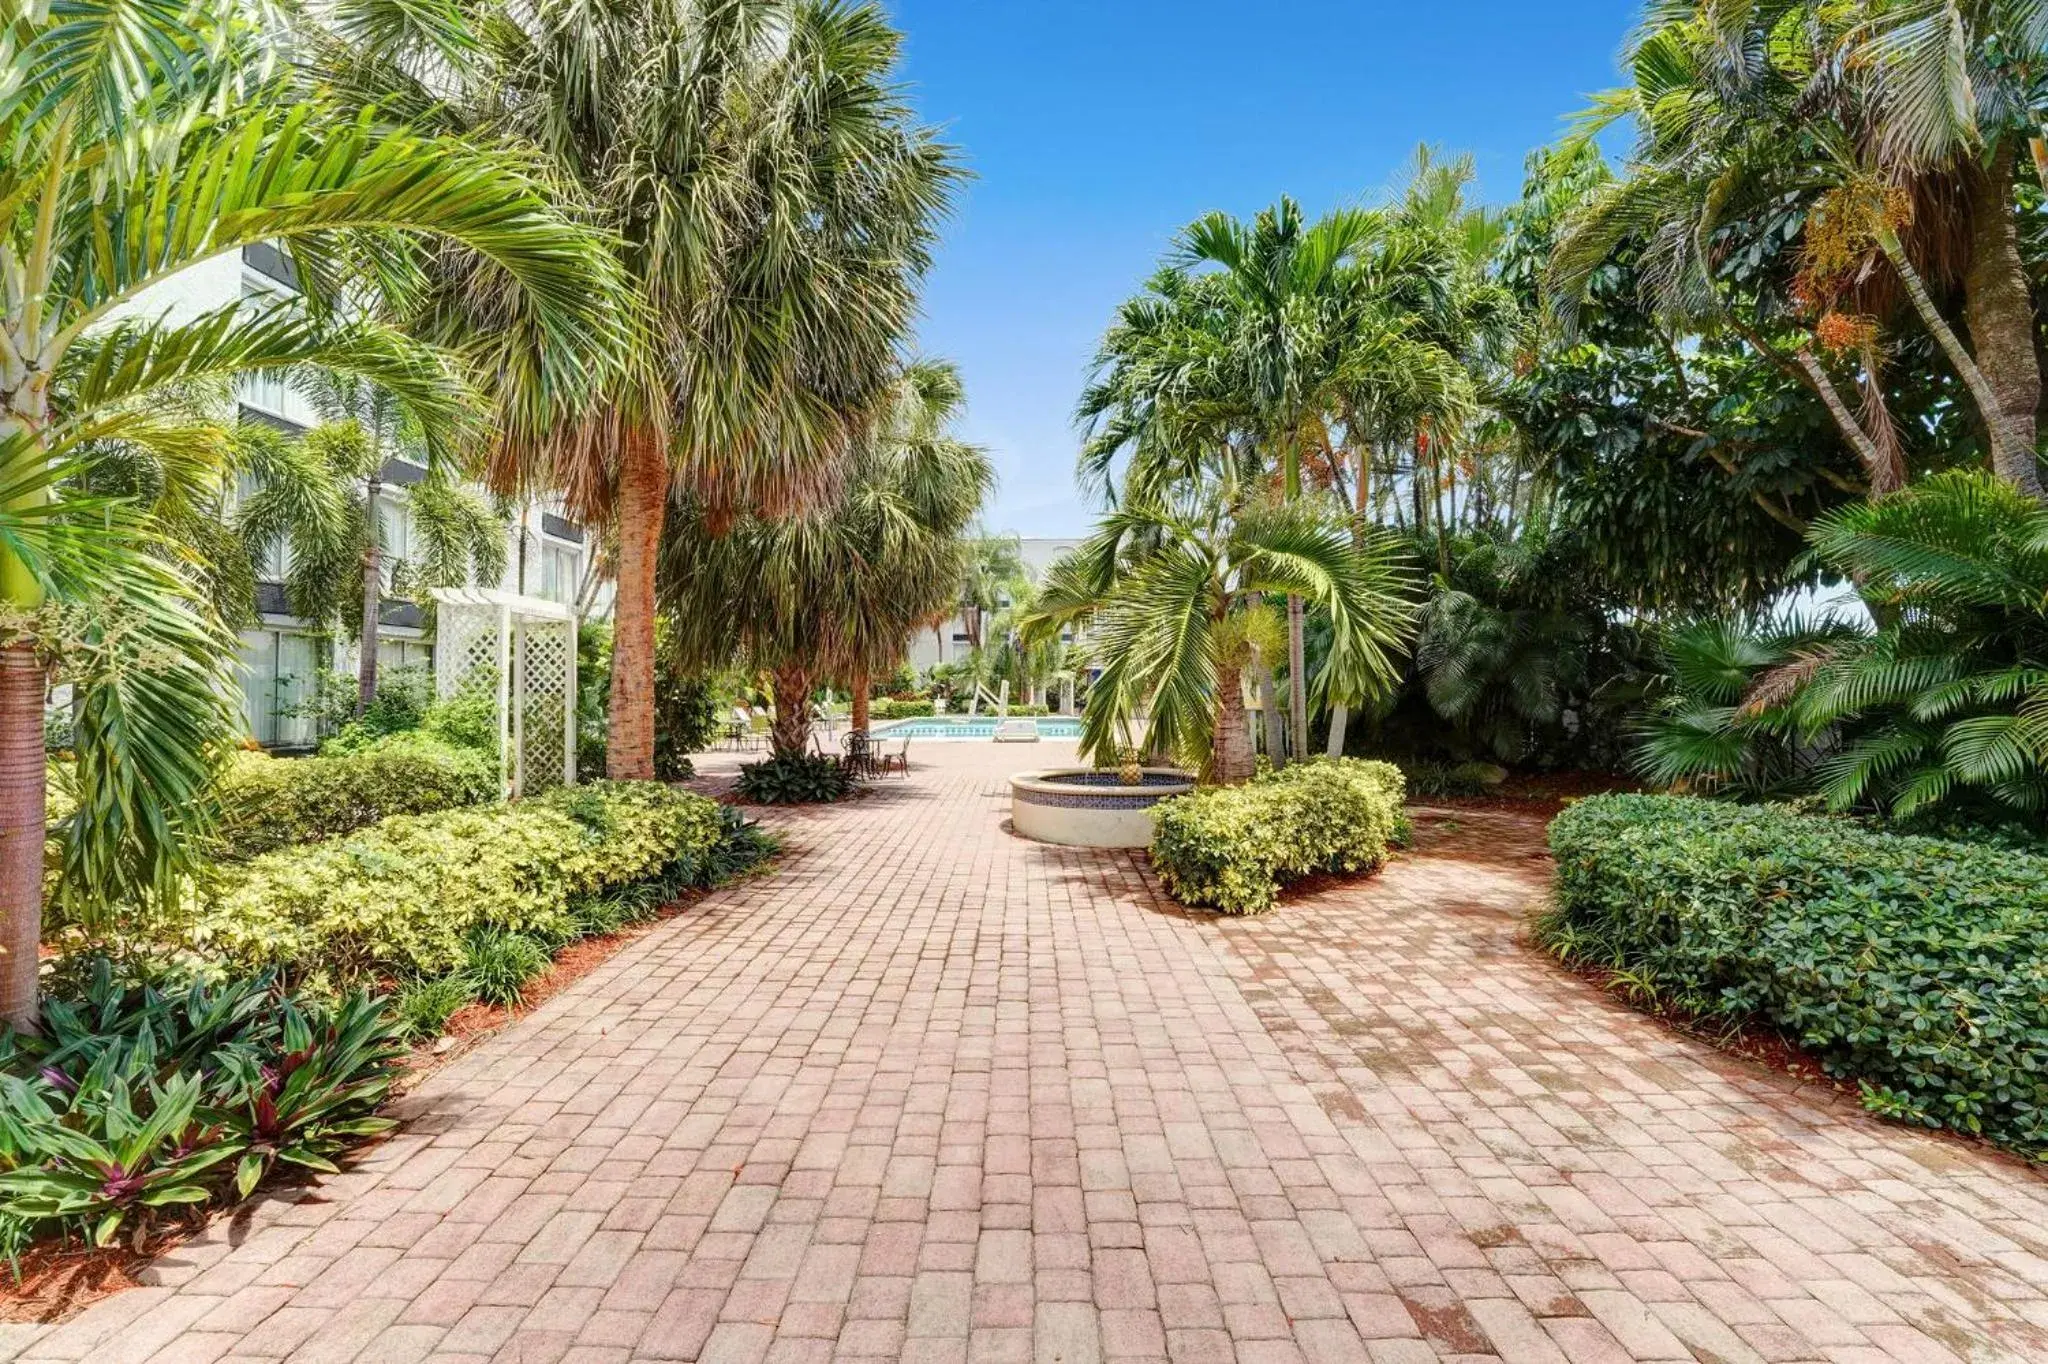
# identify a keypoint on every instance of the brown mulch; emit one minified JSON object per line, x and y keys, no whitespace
{"x":1540,"y":793}
{"x":57,"y":1279}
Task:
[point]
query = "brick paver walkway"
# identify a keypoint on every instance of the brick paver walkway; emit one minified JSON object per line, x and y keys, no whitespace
{"x":932,"y":1093}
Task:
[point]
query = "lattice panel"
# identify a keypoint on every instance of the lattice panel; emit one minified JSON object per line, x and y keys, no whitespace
{"x":467,"y":650}
{"x":546,"y":651}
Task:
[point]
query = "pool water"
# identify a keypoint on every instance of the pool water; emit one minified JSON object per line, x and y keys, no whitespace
{"x":1049,"y":727}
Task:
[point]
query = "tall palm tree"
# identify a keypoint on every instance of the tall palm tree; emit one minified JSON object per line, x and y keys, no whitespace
{"x":1285,"y":277}
{"x":995,"y":571}
{"x":836,"y":593}
{"x":142,"y":141}
{"x":1172,"y":595}
{"x":1292,"y":342}
{"x":775,"y":204}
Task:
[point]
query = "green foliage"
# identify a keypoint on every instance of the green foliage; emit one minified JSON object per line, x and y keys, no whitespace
{"x":497,"y":963}
{"x":794,"y":779}
{"x":138,"y":1098}
{"x":1233,"y":847}
{"x":466,"y":722}
{"x":593,"y":697}
{"x":685,"y":719}
{"x":405,"y":895}
{"x":268,"y":803}
{"x":401,"y":703}
{"x":1916,"y":966}
{"x":888,"y":708}
{"x":1449,"y":779}
{"x":1943,"y":708}
{"x":422,"y":1008}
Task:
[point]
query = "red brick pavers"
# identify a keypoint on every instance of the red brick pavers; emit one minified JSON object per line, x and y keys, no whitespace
{"x":933,"y":1093}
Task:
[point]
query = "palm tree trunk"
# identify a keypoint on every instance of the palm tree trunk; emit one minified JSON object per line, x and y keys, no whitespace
{"x":1998,"y":308}
{"x":373,"y":600}
{"x":861,"y":686}
{"x":1234,"y":760}
{"x":1297,"y":677}
{"x":791,"y":732}
{"x":642,"y":503}
{"x":22,"y":819}
{"x":1340,"y":714}
{"x":2007,"y":456}
{"x":1269,"y":710}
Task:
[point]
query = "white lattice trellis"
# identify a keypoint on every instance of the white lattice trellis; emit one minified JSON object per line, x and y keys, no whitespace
{"x":521,"y":653}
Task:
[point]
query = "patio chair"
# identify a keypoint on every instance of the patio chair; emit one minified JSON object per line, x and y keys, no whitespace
{"x":860,"y":753}
{"x":894,"y":759}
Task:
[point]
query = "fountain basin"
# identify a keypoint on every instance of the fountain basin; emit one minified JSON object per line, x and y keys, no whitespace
{"x":1083,"y":807}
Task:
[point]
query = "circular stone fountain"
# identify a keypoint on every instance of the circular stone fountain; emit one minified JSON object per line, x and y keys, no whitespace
{"x":1082,"y":807}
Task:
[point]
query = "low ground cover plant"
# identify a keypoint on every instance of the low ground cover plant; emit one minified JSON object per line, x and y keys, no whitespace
{"x":794,"y":779}
{"x":137,"y":1100}
{"x":1233,"y":847}
{"x":1915,"y":966}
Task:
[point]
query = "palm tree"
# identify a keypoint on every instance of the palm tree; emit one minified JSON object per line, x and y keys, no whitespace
{"x":318,"y":496}
{"x":1171,"y":591}
{"x":1891,"y":135}
{"x":775,"y":204}
{"x":1284,"y":278}
{"x":1301,"y":344}
{"x":1945,"y":703}
{"x":995,"y":572}
{"x":144,"y":140}
{"x":836,"y":593}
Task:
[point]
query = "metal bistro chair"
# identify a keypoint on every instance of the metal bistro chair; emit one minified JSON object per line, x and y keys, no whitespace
{"x":895,"y":759}
{"x":860,"y":753}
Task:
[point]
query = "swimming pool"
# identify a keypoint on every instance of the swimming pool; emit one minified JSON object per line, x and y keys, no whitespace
{"x":981,"y":727}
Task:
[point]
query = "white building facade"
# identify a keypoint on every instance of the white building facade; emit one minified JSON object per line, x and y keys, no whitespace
{"x":951,"y":642}
{"x":282,"y":656}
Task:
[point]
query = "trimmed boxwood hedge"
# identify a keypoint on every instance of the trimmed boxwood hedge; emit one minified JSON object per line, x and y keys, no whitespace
{"x":406,"y":897}
{"x":1233,"y":847}
{"x":268,"y":803}
{"x":1917,"y":966}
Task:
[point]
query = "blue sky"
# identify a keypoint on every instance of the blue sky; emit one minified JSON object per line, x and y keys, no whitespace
{"x":1097,"y":129}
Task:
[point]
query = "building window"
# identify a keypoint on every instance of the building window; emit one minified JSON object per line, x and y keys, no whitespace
{"x":276,"y":561}
{"x":561,"y":572}
{"x":395,"y":521}
{"x":268,"y":392}
{"x":279,"y":670}
{"x":404,"y":653}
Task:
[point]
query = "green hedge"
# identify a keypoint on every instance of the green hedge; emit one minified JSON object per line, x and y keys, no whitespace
{"x":1233,"y":847}
{"x":268,"y":803}
{"x":1917,"y":966}
{"x":887,"y":709}
{"x":405,"y":896}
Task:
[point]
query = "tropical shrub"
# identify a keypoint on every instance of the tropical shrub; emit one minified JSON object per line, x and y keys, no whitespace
{"x":1916,"y":966}
{"x":404,"y":896}
{"x":268,"y":803}
{"x":794,"y":779}
{"x":137,"y":1098}
{"x":1233,"y":847}
{"x":685,"y":719}
{"x":1942,"y":709}
{"x":888,"y":708}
